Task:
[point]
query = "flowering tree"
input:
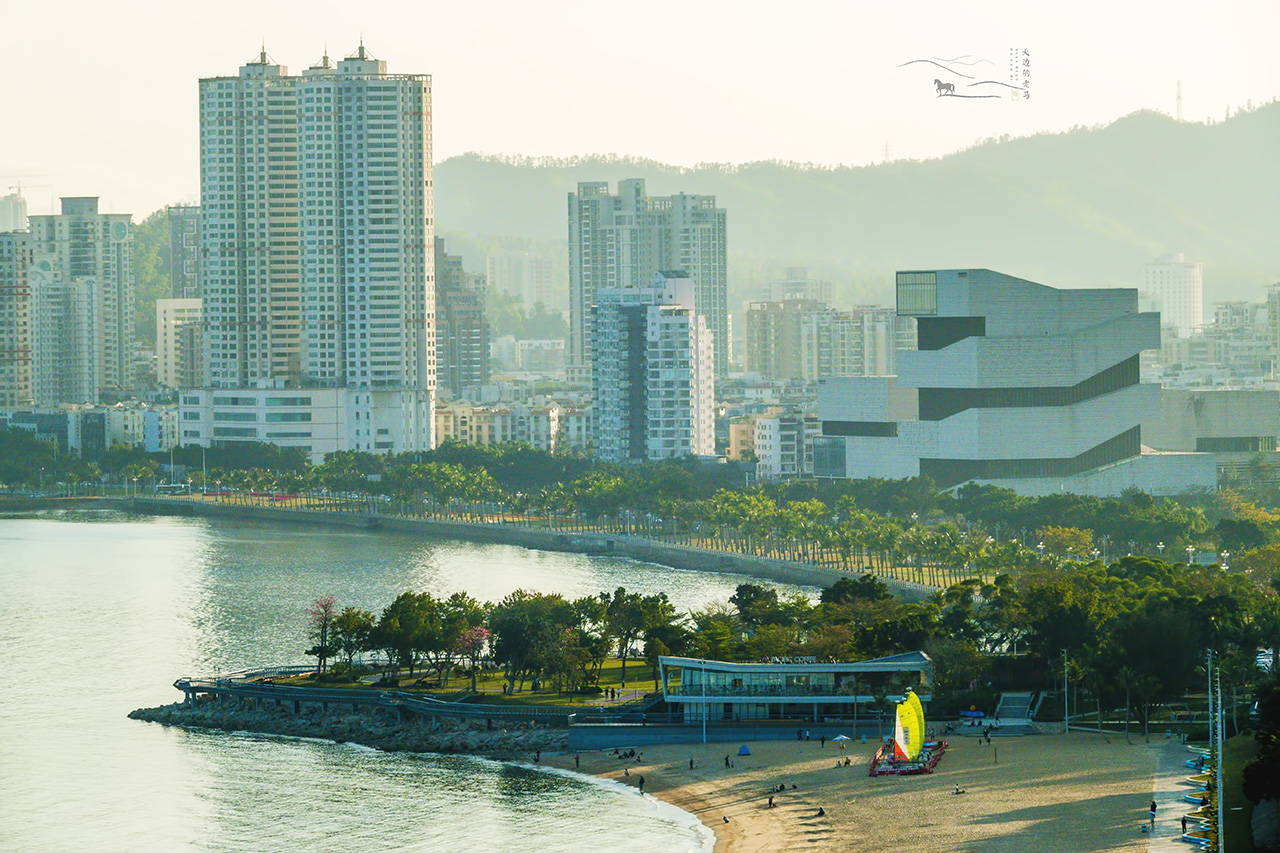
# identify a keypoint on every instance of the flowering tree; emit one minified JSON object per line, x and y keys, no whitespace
{"x":322,"y":613}
{"x":472,"y":645}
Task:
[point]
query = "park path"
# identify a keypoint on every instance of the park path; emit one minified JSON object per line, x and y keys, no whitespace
{"x":1168,"y":792}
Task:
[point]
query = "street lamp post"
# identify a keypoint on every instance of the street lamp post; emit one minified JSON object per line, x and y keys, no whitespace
{"x":1160,"y":548}
{"x":1066,"y":695}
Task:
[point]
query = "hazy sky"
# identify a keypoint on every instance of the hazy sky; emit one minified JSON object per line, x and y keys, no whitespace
{"x":99,"y":98}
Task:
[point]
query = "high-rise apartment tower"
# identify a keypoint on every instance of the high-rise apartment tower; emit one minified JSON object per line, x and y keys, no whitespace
{"x":623,"y":240}
{"x":652,"y":379}
{"x":316,"y":226}
{"x":316,"y":235}
{"x":82,"y":291}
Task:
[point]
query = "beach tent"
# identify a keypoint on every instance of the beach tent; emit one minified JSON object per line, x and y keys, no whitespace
{"x":744,"y":750}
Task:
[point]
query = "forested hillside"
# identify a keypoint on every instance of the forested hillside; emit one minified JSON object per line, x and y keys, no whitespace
{"x":1083,"y":208}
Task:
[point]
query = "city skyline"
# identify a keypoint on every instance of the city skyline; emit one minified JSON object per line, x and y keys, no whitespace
{"x":822,"y":84}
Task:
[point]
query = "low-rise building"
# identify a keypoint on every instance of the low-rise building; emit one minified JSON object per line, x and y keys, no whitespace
{"x":784,"y":445}
{"x":792,"y":688}
{"x":319,"y":421}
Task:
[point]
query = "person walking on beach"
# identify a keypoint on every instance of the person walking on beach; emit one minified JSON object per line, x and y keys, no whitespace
{"x":771,"y":805}
{"x":1153,"y":812}
{"x":642,"y":784}
{"x":1184,"y":824}
{"x":726,"y":761}
{"x":577,"y":761}
{"x":690,"y":763}
{"x":824,"y":741}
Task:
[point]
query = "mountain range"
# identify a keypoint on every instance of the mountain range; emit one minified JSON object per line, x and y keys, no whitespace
{"x":1083,"y":208}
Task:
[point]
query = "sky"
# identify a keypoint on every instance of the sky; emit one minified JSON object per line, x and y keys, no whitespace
{"x":100,"y":98}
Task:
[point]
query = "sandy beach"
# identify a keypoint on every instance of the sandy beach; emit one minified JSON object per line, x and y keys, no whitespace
{"x":1072,"y":792}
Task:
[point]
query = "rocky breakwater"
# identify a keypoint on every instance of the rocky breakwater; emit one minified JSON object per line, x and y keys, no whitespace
{"x":375,"y":728}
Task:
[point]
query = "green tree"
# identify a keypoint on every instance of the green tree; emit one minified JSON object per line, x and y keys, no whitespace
{"x":352,"y":632}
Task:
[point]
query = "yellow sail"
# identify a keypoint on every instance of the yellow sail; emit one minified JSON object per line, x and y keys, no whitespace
{"x":917,"y":710}
{"x":908,"y":730}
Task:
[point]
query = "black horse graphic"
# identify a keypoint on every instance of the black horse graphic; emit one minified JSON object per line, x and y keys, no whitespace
{"x":944,"y":88}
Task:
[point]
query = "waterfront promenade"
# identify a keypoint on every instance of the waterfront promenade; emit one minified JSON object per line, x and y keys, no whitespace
{"x":647,"y":543}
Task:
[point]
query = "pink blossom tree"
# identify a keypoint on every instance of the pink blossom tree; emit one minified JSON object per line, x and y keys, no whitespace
{"x":472,"y":645}
{"x":322,"y":613}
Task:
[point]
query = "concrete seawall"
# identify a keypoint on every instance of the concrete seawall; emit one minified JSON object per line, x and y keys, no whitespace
{"x":634,"y":547}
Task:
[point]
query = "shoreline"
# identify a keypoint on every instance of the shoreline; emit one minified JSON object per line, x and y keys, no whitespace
{"x":516,"y":744}
{"x":1065,"y":792}
{"x":1077,"y":792}
{"x":683,"y":557}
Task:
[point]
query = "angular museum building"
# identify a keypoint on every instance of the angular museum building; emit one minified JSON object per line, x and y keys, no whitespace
{"x":1012,"y":383}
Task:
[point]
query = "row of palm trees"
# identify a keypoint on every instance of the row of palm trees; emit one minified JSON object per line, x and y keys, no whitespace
{"x":741,"y":522}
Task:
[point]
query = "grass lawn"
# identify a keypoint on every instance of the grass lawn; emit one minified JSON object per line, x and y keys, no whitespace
{"x":1238,"y":835}
{"x":490,"y":683}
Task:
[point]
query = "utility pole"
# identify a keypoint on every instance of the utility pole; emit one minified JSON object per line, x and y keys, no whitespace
{"x":1066,"y":717}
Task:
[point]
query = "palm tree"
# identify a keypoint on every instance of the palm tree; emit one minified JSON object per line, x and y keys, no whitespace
{"x":1126,"y":678}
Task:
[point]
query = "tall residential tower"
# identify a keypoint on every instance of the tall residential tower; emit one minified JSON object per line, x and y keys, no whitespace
{"x":82,"y":292}
{"x":316,"y":237}
{"x":652,"y":378}
{"x":623,"y":240}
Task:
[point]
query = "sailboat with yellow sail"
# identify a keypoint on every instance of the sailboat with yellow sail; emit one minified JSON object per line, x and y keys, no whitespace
{"x":910,"y":753}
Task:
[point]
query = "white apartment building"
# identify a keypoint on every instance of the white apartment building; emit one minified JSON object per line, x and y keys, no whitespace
{"x":1176,"y":290}
{"x":537,"y":426}
{"x":151,"y":428}
{"x":859,"y":342}
{"x":1013,"y":383}
{"x":317,"y":420}
{"x":623,"y":240}
{"x":317,"y":238}
{"x":13,"y":212}
{"x":522,"y":274}
{"x":82,"y":291}
{"x":173,"y":361}
{"x":577,"y":426}
{"x":652,"y":376}
{"x":784,"y":445}
{"x":15,"y":322}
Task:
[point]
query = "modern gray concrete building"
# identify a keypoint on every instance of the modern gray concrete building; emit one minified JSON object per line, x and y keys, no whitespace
{"x":1238,"y":426}
{"x":623,"y":240}
{"x":652,"y":377}
{"x":316,"y":235}
{"x":82,"y":292}
{"x":1012,"y":383}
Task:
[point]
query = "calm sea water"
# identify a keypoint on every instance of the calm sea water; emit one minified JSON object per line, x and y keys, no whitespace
{"x":100,"y":612}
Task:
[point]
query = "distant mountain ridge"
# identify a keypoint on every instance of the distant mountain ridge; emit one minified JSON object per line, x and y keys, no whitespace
{"x":1083,"y":208}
